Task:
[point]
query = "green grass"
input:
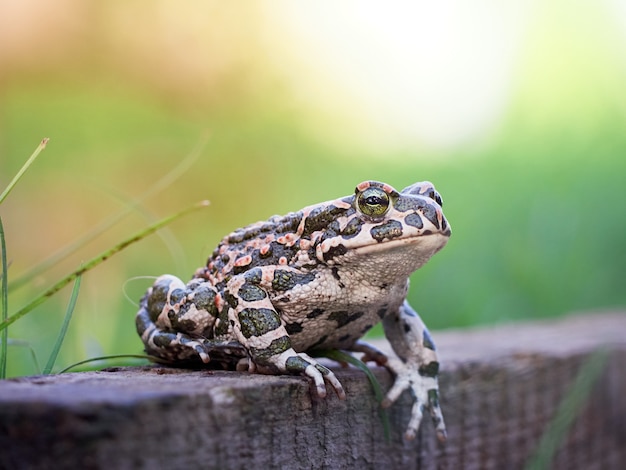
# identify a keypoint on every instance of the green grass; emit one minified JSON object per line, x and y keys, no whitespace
{"x":569,"y":409}
{"x":92,"y":263}
{"x":4,"y":334}
{"x":75,"y":276}
{"x":66,"y":323}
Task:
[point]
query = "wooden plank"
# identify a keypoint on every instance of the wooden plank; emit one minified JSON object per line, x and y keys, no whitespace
{"x":501,"y":387}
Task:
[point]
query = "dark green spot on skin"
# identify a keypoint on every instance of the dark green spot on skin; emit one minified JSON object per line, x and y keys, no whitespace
{"x":320,"y":217}
{"x":332,"y":230}
{"x":345,"y":338}
{"x":231,"y":299}
{"x":278,"y":225}
{"x":343,"y":318}
{"x":288,"y":223}
{"x":430,"y":212}
{"x":176,"y":296}
{"x":271,"y":257}
{"x":251,"y":293}
{"x":352,"y":229}
{"x":222,"y":323}
{"x":258,"y":321}
{"x":253,"y":276}
{"x":236,"y":237}
{"x":164,"y":340}
{"x":387,"y":231}
{"x":287,"y":280}
{"x":323,"y":370}
{"x":296,"y":364}
{"x":316,"y":312}
{"x":276,"y":347}
{"x":335,"y":251}
{"x":429,"y":370}
{"x":251,"y":233}
{"x":280,"y":345}
{"x":421,"y":205}
{"x":155,"y":302}
{"x":293,"y":328}
{"x":403,"y":204}
{"x":406,"y":326}
{"x":240,"y":269}
{"x":414,"y":220}
{"x":143,"y":321}
{"x":204,"y":298}
{"x":409,"y":203}
{"x":428,"y":341}
{"x":182,"y":325}
{"x":433,"y":399}
{"x":335,"y":272}
{"x":366,"y":329}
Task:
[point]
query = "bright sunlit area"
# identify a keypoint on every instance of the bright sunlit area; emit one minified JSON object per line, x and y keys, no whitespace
{"x":408,"y":75}
{"x":516,"y":111}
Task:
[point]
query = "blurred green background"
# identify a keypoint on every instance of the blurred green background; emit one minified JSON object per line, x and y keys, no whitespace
{"x":516,"y":112}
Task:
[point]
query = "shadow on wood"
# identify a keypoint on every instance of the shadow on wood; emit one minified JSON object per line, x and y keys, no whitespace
{"x":502,"y":389}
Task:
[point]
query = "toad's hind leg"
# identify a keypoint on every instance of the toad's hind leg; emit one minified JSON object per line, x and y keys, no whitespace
{"x":175,"y":320}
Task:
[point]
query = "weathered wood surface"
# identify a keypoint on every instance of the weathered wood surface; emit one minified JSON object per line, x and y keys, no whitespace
{"x":501,"y":388}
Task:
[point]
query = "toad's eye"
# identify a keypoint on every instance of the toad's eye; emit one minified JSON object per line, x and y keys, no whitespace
{"x":373,"y":202}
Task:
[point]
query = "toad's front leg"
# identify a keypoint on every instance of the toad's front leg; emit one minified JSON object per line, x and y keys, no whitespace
{"x":416,"y":370}
{"x":258,"y":327}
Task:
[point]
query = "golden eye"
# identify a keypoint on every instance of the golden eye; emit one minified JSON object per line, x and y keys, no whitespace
{"x":373,"y":202}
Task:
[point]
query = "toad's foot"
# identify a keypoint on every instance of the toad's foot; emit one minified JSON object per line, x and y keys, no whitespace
{"x":168,"y":346}
{"x":424,"y":387}
{"x":292,"y":362}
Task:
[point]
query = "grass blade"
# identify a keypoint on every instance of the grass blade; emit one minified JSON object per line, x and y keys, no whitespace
{"x":96,"y":261}
{"x":104,"y":358}
{"x":4,"y":334}
{"x":109,"y":222}
{"x":25,"y":344}
{"x":25,"y":167}
{"x":66,"y":323}
{"x":568,"y":410}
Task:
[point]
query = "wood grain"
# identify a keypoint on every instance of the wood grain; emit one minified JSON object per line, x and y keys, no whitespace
{"x":500,"y":386}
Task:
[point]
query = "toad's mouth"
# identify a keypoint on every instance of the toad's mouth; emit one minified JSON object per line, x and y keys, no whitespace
{"x":389,"y":251}
{"x":427,"y":243}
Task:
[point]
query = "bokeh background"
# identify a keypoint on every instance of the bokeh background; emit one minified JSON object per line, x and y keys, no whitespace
{"x":515,"y":110}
